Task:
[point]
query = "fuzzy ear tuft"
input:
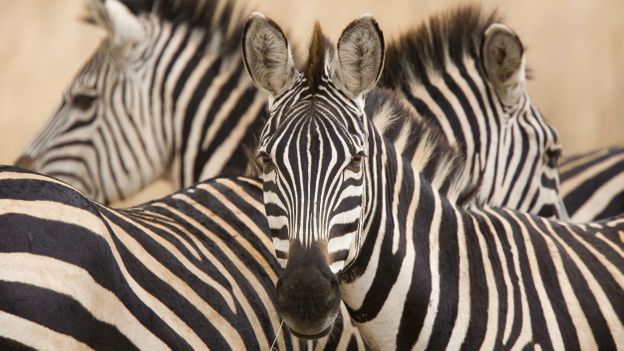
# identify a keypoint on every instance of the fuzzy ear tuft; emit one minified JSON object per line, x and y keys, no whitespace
{"x":503,"y":61}
{"x":123,"y":26}
{"x":267,"y":55}
{"x":126,"y":27}
{"x":360,"y":55}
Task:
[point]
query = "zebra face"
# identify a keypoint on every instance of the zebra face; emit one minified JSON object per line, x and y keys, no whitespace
{"x":312,"y":171}
{"x":95,"y":138}
{"x":313,"y":153}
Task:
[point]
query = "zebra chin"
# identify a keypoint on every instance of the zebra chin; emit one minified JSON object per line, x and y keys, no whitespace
{"x":308,"y":293}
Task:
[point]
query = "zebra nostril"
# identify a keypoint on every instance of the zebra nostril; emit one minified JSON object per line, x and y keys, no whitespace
{"x":25,"y":162}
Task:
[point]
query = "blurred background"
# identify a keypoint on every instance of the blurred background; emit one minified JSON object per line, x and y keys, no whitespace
{"x":575,"y":48}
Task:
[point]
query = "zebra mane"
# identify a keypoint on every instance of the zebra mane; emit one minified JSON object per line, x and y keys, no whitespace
{"x":446,"y":37}
{"x":319,"y":47}
{"x":421,"y":144}
{"x":225,"y":17}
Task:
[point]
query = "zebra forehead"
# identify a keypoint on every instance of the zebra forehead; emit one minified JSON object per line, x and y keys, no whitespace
{"x":313,"y":133}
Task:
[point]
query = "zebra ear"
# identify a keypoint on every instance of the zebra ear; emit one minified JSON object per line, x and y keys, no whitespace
{"x":360,"y":56}
{"x":267,"y":55}
{"x":124,"y":26}
{"x":503,"y":60}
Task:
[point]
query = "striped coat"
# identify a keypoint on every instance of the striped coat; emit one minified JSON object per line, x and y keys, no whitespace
{"x":592,"y":184}
{"x":352,"y":219}
{"x":194,"y":270}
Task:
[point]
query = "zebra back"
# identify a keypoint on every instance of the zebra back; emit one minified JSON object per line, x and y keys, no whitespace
{"x":194,"y":270}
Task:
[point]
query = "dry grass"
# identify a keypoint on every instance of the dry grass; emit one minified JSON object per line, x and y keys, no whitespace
{"x":575,"y":48}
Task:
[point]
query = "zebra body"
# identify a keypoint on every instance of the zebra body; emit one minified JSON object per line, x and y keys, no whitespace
{"x":352,"y":219}
{"x":164,"y":95}
{"x":194,"y":270}
{"x":466,"y":73}
{"x":592,"y":184}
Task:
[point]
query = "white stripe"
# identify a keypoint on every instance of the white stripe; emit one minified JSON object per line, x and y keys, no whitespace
{"x":35,"y":335}
{"x":460,"y":328}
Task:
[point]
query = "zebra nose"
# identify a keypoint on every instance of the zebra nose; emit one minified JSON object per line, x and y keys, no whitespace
{"x":25,"y":162}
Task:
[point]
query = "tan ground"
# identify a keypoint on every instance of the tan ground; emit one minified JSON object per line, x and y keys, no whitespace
{"x":576,"y":49}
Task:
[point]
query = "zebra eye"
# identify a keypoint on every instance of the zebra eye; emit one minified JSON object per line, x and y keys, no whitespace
{"x":355,"y":165}
{"x":552,"y":156}
{"x":83,"y":102}
{"x":267,"y":163}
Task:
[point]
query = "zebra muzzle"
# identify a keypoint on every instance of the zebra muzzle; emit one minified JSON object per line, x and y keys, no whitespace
{"x":308,"y":293}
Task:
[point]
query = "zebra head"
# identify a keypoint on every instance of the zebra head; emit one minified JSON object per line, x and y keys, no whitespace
{"x":97,"y":120}
{"x":532,"y":182}
{"x":466,"y":72}
{"x":164,"y":95}
{"x":313,"y":152}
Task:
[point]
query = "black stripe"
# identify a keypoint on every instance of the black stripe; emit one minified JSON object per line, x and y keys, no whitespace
{"x":448,"y":265}
{"x":420,"y":287}
{"x":479,"y":291}
{"x":12,"y":345}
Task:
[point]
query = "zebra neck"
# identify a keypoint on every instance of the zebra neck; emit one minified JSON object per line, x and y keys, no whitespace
{"x":396,"y":193}
{"x":404,"y":216}
{"x":210,"y":109}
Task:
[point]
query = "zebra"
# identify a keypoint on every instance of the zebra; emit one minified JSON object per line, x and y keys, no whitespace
{"x":194,"y":270}
{"x":592,"y":184}
{"x":164,"y":95}
{"x":164,"y":131}
{"x":353,"y":221}
{"x":478,"y":98}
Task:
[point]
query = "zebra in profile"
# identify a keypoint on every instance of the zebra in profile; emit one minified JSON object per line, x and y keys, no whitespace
{"x":592,"y":184}
{"x":184,"y":109}
{"x":164,"y":95}
{"x":194,"y":270}
{"x":472,"y":86}
{"x":352,"y":220}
